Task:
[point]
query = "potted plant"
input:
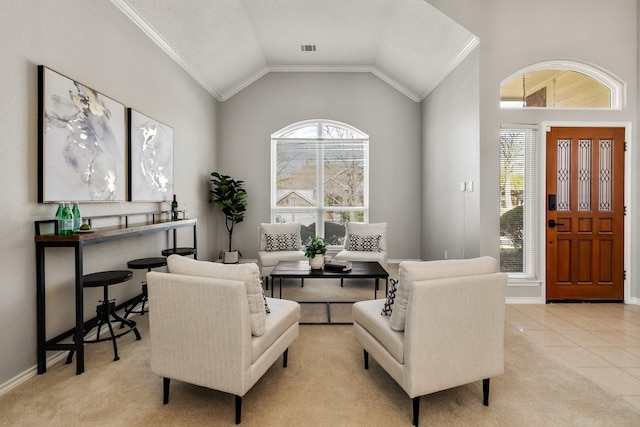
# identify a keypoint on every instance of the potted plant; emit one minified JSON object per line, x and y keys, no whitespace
{"x":315,"y":250}
{"x":230,"y":195}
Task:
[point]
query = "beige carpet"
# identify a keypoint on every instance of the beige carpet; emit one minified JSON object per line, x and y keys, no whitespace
{"x":324,"y":385}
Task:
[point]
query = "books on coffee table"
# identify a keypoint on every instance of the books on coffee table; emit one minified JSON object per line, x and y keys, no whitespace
{"x":337,"y":265}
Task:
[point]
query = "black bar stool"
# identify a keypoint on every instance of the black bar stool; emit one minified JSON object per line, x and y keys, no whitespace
{"x":139,"y":264}
{"x":107,"y":309}
{"x":179,"y":251}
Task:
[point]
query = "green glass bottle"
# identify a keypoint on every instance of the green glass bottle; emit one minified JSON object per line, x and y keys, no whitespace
{"x":67,"y":219}
{"x":58,"y":219}
{"x":77,"y":217}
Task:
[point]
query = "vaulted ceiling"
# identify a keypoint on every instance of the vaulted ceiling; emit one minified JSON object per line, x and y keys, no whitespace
{"x":228,"y":44}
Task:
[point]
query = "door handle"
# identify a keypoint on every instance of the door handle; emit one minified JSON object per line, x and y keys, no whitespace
{"x":553,"y":223}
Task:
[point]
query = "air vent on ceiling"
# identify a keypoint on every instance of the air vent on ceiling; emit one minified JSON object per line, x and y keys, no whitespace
{"x":308,"y":47}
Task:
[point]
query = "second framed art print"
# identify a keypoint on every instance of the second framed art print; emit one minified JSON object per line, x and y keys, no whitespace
{"x":150,"y":159}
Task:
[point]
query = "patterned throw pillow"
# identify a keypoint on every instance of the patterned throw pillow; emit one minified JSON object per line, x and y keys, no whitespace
{"x":391,"y":296}
{"x":264,"y":298}
{"x":281,"y":242}
{"x":363,"y":243}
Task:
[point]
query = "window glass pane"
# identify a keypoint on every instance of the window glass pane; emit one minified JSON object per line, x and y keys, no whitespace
{"x":309,"y":131}
{"x":307,"y":222}
{"x":518,"y":201}
{"x":296,"y":174}
{"x":344,"y":169}
{"x":335,"y":225}
{"x":512,"y":186}
{"x":336,"y":132}
{"x":555,"y":88}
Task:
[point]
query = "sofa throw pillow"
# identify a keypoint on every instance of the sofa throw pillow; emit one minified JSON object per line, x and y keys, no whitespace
{"x":247,"y":273}
{"x":363,"y":243}
{"x":281,"y":242}
{"x":391,"y":296}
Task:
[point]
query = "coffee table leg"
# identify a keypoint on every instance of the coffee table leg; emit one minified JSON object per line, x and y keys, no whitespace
{"x":375,"y":290}
{"x":280,"y":287}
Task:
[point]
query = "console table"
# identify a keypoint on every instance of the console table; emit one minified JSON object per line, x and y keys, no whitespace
{"x":78,"y":241}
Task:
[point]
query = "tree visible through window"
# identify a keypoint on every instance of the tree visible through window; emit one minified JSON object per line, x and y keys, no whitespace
{"x":320,"y":178}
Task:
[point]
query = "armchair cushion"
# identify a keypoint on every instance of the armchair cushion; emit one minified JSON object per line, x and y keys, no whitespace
{"x":247,"y":273}
{"x":366,"y":314}
{"x":412,"y":271}
{"x":282,"y":242}
{"x":284,"y":314}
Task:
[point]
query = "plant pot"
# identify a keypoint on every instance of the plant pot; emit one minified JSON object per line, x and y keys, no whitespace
{"x":317,"y":262}
{"x":230,"y":257}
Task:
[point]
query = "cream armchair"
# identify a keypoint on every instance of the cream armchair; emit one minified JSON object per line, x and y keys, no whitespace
{"x":278,"y":242}
{"x":446,"y":327}
{"x":365,"y":242}
{"x":209,"y":326}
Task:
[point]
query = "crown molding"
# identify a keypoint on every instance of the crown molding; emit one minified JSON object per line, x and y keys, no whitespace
{"x":166,"y":47}
{"x":471,"y":44}
{"x":322,"y":69}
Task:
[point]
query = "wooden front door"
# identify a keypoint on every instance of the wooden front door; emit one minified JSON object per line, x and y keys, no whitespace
{"x":585,"y":214}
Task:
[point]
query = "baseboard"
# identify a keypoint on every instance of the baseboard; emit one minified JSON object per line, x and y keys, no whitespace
{"x":525,"y":300}
{"x":31,"y":372}
{"x":53,"y":359}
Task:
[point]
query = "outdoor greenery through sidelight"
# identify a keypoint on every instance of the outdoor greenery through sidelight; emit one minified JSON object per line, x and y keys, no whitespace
{"x":231,"y":196}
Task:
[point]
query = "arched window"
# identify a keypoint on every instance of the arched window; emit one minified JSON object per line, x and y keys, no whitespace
{"x":320,"y":177}
{"x":562,"y":85}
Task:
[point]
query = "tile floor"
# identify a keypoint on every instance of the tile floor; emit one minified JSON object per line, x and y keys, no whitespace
{"x":599,"y":341}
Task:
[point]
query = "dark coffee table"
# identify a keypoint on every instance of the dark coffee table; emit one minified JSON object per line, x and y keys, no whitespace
{"x":301,"y":270}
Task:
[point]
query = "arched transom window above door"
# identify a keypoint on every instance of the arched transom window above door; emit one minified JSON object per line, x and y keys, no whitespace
{"x":562,"y":85}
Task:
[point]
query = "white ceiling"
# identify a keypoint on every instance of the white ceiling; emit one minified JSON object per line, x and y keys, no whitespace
{"x":228,"y":44}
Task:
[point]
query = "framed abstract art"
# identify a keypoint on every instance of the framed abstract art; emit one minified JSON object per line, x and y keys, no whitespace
{"x":81,"y":142}
{"x":150,"y":159}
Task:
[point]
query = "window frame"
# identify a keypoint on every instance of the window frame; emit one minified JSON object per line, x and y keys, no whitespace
{"x":321,"y":209}
{"x":531,"y":223}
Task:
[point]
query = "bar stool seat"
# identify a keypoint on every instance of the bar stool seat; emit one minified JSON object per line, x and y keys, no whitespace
{"x":107,"y":309}
{"x":140,"y":264}
{"x":179,"y":251}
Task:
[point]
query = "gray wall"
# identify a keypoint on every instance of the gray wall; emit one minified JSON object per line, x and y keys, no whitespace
{"x":95,"y":44}
{"x":450,"y":156}
{"x":391,"y":120}
{"x":595,"y":32}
